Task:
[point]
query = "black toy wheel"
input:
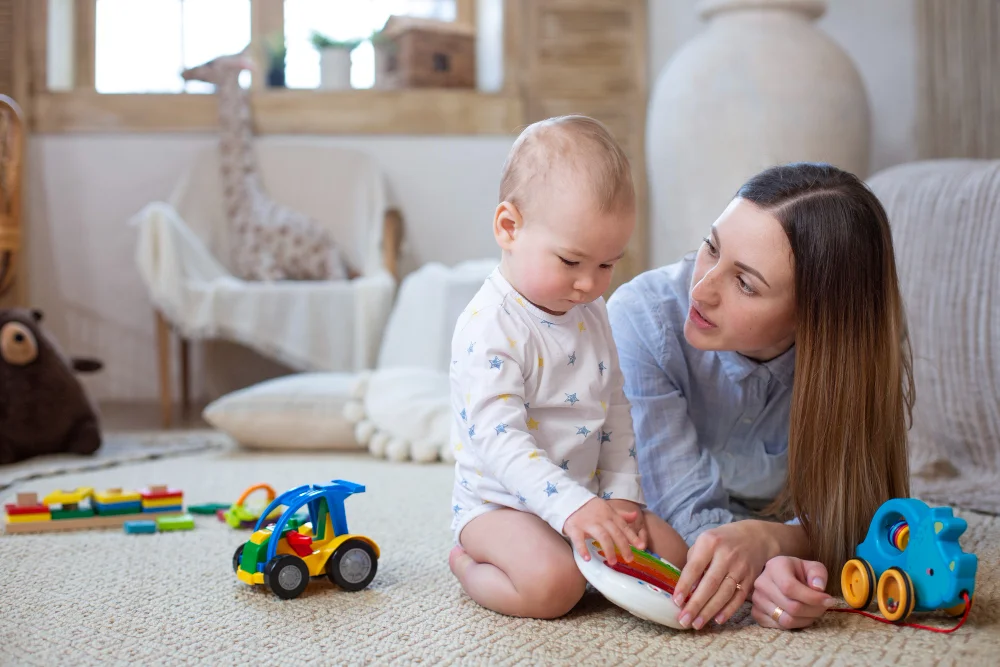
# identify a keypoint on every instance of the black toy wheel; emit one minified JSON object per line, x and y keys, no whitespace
{"x":286,"y":575}
{"x":236,"y":557}
{"x":353,"y":565}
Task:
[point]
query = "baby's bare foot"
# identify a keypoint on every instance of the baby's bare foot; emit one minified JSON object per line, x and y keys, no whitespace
{"x":459,"y":561}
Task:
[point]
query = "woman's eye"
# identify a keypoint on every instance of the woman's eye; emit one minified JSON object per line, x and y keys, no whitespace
{"x":746,"y":287}
{"x":711,"y":248}
{"x":567,"y":262}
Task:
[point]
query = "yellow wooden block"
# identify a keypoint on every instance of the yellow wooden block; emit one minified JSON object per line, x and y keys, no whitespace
{"x":25,"y":518}
{"x":76,"y":496}
{"x":109,"y":496}
{"x":173,"y":501}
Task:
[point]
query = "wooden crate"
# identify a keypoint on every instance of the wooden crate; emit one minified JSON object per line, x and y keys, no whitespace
{"x":423,"y":53}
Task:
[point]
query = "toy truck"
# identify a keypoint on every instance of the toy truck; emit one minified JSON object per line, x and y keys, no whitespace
{"x":285,"y":556}
{"x":910,"y":561}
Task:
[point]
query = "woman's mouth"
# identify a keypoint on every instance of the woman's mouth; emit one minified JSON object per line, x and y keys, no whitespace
{"x":698,"y":319}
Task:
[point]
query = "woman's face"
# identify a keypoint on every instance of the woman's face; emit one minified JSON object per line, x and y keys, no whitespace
{"x":743,"y":287}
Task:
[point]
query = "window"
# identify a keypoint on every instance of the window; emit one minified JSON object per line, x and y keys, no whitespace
{"x":141,"y":47}
{"x":345,"y":20}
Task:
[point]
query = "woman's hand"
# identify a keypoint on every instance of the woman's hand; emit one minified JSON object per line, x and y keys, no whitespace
{"x":790,"y":593}
{"x":721,"y":568}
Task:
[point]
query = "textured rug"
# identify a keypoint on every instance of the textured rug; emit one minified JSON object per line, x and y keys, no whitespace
{"x":117,"y":449}
{"x":103,"y":597}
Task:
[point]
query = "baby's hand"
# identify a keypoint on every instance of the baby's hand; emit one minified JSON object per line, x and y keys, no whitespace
{"x":600,"y":520}
{"x":632,"y":513}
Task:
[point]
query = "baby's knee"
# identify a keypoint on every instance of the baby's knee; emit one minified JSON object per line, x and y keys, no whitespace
{"x":554,"y":591}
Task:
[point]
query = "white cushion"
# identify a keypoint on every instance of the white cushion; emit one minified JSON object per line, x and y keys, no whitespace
{"x":300,"y":411}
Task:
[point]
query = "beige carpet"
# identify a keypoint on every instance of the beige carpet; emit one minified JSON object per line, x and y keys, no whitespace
{"x":103,"y":597}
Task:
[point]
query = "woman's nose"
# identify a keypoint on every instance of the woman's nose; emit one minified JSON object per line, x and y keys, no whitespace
{"x":705,"y":290}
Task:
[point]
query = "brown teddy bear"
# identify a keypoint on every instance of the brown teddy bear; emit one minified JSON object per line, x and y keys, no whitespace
{"x":44,"y":408}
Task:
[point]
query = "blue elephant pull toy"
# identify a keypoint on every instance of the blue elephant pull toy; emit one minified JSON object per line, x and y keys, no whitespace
{"x":911,"y":561}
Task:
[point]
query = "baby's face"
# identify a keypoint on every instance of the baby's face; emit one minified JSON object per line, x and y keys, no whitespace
{"x":567,"y":250}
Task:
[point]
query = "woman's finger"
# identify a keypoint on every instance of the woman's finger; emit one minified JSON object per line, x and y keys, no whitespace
{"x":726,"y":594}
{"x":785,"y":613}
{"x":706,"y":590}
{"x":784,"y":582}
{"x":735,"y":602}
{"x":699,"y":556}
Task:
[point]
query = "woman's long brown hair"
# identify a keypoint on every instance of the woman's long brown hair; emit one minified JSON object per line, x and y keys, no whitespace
{"x":853,"y":392}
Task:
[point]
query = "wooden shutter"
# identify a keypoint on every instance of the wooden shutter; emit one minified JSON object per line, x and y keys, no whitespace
{"x":589,"y":57}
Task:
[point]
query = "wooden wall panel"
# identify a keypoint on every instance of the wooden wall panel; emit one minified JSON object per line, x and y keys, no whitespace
{"x":589,"y":57}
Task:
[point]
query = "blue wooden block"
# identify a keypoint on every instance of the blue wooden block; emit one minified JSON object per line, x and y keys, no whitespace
{"x":140,"y":526}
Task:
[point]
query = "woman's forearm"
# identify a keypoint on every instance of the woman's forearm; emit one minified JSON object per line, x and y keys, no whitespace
{"x":783,"y":539}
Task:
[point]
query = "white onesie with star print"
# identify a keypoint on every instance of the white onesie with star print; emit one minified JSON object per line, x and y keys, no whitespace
{"x":541,"y":423}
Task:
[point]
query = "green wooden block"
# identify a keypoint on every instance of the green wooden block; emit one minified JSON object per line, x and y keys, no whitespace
{"x":72,"y":514}
{"x":178,"y":522}
{"x":208,"y":508}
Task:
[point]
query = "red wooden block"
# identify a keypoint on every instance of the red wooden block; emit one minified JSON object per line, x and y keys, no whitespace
{"x":157,"y":492}
{"x":30,"y":509}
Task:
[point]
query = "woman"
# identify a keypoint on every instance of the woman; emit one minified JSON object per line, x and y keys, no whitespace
{"x":771,"y":375}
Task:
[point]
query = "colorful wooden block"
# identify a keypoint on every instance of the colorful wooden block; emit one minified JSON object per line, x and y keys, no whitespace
{"x":136,"y":527}
{"x":116,"y":495}
{"x":74,"y":497}
{"x":131,"y":507}
{"x":167,"y":501}
{"x":176,"y":509}
{"x":181,"y":522}
{"x":28,"y":518}
{"x":30,"y":509}
{"x":79,"y":513}
{"x":160,"y":491}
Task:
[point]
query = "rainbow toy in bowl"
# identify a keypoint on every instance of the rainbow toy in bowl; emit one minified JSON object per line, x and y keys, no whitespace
{"x":644,"y":587}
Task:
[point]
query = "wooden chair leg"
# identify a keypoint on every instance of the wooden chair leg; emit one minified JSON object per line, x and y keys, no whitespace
{"x":185,"y":375}
{"x":163,"y":350}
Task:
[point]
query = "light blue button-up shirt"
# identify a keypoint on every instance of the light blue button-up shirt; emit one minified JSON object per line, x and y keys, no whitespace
{"x":711,"y":428}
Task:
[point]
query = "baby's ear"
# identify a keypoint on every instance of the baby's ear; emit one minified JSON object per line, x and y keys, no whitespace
{"x":507,"y":223}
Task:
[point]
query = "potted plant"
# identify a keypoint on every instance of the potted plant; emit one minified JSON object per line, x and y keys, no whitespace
{"x":334,"y":60}
{"x":276,"y":51}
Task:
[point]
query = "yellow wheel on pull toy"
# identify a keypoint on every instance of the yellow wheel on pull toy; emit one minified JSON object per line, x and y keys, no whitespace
{"x":857,"y":582}
{"x":896,"y":597}
{"x":958,"y":609}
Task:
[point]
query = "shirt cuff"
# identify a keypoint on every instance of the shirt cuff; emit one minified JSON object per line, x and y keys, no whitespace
{"x":621,"y":486}
{"x":571,"y":499}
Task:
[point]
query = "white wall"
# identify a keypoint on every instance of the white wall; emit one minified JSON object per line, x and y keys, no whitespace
{"x":879,"y":36}
{"x":83,"y":189}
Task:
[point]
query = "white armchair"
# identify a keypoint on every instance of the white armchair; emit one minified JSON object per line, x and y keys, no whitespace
{"x":183,"y":252}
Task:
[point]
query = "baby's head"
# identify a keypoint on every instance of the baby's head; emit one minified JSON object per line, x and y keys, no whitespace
{"x":567,"y":209}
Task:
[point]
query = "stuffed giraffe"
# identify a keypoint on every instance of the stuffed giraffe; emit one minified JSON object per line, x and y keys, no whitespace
{"x":269,"y":241}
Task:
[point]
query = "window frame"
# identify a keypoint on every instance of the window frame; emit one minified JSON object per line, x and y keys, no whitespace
{"x":436,"y":111}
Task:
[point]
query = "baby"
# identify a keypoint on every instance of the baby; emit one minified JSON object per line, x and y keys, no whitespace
{"x":544,"y":447}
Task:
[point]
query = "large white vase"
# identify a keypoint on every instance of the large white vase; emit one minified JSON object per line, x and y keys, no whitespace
{"x":760,"y":86}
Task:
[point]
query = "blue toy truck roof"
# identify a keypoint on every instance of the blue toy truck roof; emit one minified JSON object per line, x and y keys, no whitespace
{"x":335,"y":493}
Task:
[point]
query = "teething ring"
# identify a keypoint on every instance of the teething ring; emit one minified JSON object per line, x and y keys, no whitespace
{"x":271,"y":495}
{"x":239,"y":516}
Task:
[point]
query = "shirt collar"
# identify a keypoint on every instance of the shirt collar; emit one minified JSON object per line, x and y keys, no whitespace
{"x":739,"y":367}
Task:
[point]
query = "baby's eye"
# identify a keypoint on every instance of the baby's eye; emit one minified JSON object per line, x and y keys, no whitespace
{"x":607,"y":266}
{"x":567,"y":262}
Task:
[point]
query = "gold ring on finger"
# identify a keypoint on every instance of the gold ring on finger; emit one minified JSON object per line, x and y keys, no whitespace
{"x":776,"y":614}
{"x":738,"y":587}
